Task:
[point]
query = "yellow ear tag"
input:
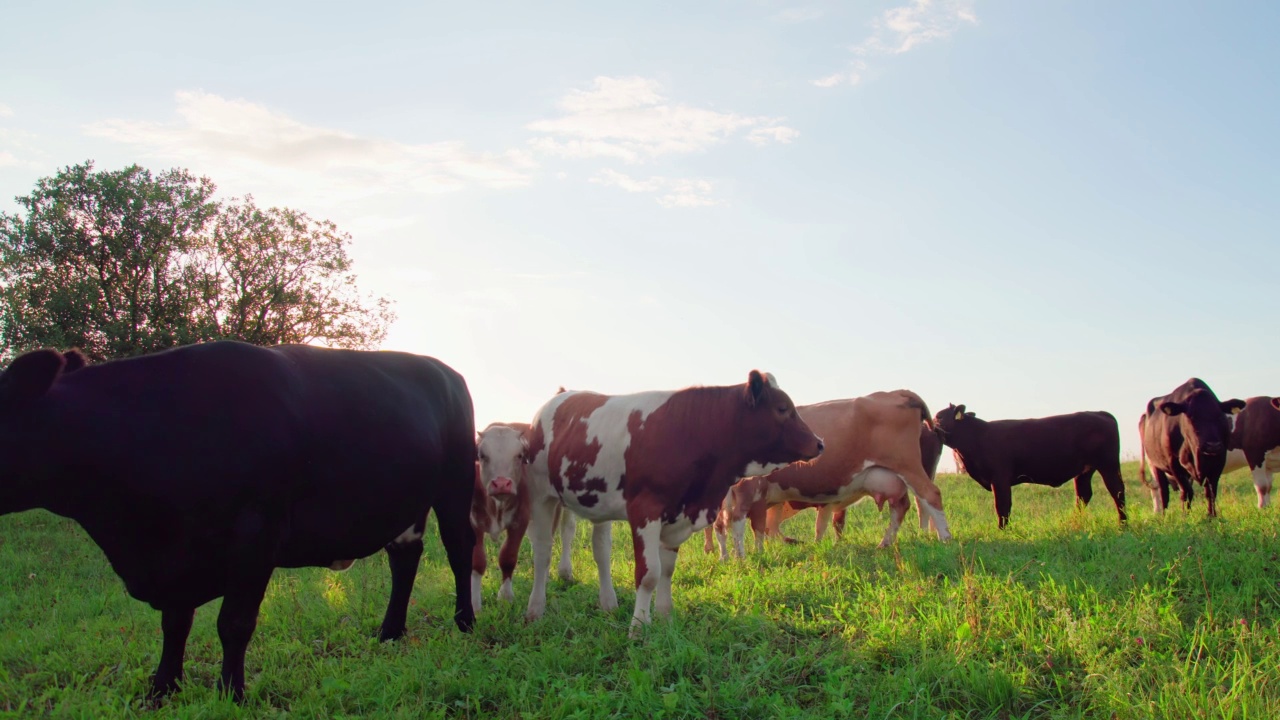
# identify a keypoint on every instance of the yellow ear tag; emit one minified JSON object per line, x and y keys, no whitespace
{"x":1236,"y":410}
{"x":959,"y":415}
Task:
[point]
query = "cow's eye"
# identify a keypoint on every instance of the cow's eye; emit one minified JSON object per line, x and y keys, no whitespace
{"x":484,"y":458}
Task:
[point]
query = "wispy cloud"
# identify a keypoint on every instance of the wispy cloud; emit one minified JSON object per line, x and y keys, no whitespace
{"x":902,"y":29}
{"x":630,"y":119}
{"x":5,"y":111}
{"x":798,"y":14}
{"x":245,"y":141}
{"x":671,"y":192}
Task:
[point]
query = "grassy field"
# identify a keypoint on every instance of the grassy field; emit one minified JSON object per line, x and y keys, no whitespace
{"x":1063,"y":615}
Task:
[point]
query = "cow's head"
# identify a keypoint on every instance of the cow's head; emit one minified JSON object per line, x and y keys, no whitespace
{"x":953,"y":421}
{"x":1206,"y":426}
{"x":502,"y":452}
{"x":24,"y":387}
{"x":772,"y":431}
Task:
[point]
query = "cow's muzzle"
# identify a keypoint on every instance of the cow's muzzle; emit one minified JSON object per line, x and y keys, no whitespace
{"x":502,"y":486}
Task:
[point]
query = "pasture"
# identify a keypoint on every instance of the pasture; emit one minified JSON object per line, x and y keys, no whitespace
{"x":1062,"y":615}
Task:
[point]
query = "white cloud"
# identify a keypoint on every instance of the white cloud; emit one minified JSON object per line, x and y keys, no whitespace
{"x":7,"y":159}
{"x":902,"y":29}
{"x":5,"y":110}
{"x":236,"y":141}
{"x":629,"y":119}
{"x":798,"y":14}
{"x":672,"y":192}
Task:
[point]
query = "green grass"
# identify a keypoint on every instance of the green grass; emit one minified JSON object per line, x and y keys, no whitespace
{"x":1063,"y":615}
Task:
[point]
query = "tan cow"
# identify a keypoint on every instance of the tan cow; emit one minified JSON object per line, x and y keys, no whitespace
{"x":873,"y":451}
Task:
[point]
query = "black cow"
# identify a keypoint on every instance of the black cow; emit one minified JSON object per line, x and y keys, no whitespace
{"x":200,"y":470}
{"x":1043,"y":451}
{"x":1185,"y":434}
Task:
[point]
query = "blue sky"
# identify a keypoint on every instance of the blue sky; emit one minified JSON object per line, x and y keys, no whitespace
{"x":1030,"y":208}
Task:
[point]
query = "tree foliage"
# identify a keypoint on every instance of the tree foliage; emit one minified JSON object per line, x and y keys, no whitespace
{"x":125,"y":262}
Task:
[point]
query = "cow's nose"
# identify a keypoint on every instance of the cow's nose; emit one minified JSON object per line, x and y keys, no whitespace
{"x":502,"y":486}
{"x":1212,"y":448}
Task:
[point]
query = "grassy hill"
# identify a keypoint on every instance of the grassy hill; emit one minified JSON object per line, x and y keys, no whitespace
{"x":1062,"y":615}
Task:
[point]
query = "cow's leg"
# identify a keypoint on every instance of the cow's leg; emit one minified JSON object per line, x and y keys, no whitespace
{"x":1004,"y":501}
{"x":507,"y":557}
{"x":568,"y":530}
{"x":1115,"y":485}
{"x":478,"y":564}
{"x":602,"y":550}
{"x":740,"y":538}
{"x":1187,"y":490}
{"x":1211,"y":495}
{"x":837,"y":522}
{"x":647,"y":540}
{"x":1160,"y":493}
{"x":176,"y":625}
{"x":927,"y":492}
{"x":1084,"y":488}
{"x":708,"y":544}
{"x":453,"y":518}
{"x":402,"y":557}
{"x":898,"y":508}
{"x":542,"y":517}
{"x":1262,"y":483}
{"x":237,"y":620}
{"x":926,"y":521}
{"x":759,"y":516}
{"x":662,"y":600}
{"x":820,"y":527}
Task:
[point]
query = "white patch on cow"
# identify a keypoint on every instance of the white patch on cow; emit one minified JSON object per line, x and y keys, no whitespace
{"x":1262,"y":481}
{"x":771,"y":380}
{"x":608,"y":425}
{"x":1235,"y":460}
{"x":505,"y":593}
{"x":756,"y":469}
{"x":407,"y":536}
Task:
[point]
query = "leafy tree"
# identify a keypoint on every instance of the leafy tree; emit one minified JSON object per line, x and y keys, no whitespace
{"x":125,"y":262}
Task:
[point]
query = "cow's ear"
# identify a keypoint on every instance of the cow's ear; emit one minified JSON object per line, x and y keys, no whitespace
{"x":1232,"y":406}
{"x":756,"y":384}
{"x":75,"y":360}
{"x":1172,"y":408}
{"x":959,"y":413}
{"x":1275,"y":402}
{"x":30,"y":375}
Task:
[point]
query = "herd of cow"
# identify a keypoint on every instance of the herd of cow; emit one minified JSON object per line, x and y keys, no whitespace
{"x":200,"y":470}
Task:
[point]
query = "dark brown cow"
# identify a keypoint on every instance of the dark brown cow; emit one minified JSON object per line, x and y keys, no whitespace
{"x":1185,"y":434}
{"x":749,"y":498}
{"x":1255,"y":443}
{"x":662,"y":461}
{"x":999,"y":454}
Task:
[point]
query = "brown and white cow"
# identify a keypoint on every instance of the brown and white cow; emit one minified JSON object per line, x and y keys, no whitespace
{"x":873,"y":451}
{"x":501,"y":504}
{"x":1185,"y":435}
{"x":999,"y":454}
{"x":1255,"y":443}
{"x":662,"y":461}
